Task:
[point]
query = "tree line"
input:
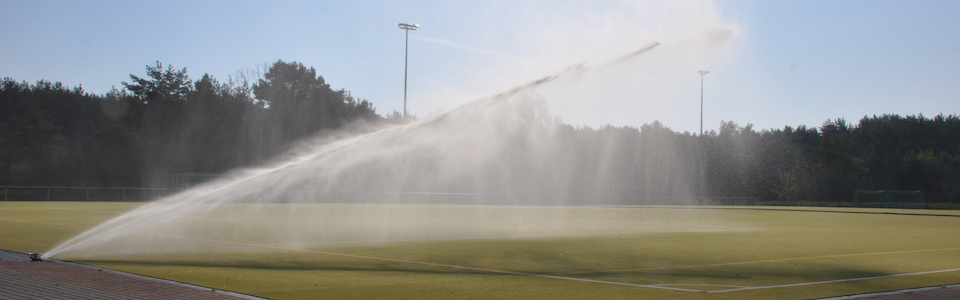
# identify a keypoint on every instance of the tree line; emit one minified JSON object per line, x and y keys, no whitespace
{"x":793,"y":165}
{"x":164,"y":123}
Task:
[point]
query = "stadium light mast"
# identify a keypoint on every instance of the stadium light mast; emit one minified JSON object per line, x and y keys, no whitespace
{"x":702,"y":73}
{"x":406,"y":50}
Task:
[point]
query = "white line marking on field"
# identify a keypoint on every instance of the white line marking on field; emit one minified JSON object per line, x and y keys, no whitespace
{"x":832,"y":281}
{"x":698,"y":284}
{"x":653,"y":286}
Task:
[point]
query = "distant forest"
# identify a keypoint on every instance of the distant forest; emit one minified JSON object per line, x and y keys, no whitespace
{"x":162,"y":124}
{"x":165,"y":123}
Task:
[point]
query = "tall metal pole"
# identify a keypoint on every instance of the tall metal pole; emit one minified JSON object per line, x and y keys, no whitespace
{"x":406,"y":50}
{"x":701,"y":98}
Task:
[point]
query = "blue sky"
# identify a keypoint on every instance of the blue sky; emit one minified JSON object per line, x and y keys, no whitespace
{"x":773,"y":63}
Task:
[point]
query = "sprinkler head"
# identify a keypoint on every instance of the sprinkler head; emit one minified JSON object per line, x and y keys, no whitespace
{"x":36,"y":256}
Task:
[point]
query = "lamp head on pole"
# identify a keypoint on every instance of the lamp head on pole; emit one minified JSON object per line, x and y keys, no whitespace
{"x":703,"y":73}
{"x":408,"y":26}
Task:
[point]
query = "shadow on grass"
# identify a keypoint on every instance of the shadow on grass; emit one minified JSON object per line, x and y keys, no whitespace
{"x":296,"y":266}
{"x":737,"y":275}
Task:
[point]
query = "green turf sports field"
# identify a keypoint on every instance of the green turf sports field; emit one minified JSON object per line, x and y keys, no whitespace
{"x":603,"y":252}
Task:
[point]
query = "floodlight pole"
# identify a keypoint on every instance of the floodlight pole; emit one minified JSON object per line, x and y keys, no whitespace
{"x":702,"y":73}
{"x":406,"y":49}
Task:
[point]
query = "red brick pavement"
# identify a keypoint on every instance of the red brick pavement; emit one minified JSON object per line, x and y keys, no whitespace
{"x":951,"y":292}
{"x":21,"y":279}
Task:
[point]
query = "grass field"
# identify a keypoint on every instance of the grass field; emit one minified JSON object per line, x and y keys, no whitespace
{"x":585,"y":252}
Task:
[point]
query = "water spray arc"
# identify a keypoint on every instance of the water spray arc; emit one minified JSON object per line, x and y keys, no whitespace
{"x":361,"y":182}
{"x":406,"y":50}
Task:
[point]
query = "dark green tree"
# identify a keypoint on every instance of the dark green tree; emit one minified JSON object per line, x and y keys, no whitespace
{"x":300,"y":102}
{"x":162,"y":116}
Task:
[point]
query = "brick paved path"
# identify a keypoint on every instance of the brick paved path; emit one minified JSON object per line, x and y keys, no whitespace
{"x":951,"y":292}
{"x":22,"y":279}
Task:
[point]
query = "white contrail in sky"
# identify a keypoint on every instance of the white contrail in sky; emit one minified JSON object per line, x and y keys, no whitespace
{"x":468,"y":48}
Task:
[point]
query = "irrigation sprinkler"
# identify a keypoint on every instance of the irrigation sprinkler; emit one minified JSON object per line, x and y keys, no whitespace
{"x":36,"y":256}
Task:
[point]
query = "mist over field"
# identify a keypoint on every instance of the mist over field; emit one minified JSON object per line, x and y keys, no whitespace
{"x":507,"y":131}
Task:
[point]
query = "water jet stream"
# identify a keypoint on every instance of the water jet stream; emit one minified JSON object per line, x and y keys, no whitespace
{"x":494,"y":151}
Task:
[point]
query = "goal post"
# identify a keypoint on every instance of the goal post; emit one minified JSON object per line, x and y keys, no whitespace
{"x":889,"y":199}
{"x":910,"y":199}
{"x":865,"y":198}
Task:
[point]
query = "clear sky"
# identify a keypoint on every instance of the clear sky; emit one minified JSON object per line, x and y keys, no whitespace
{"x":772,"y":63}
